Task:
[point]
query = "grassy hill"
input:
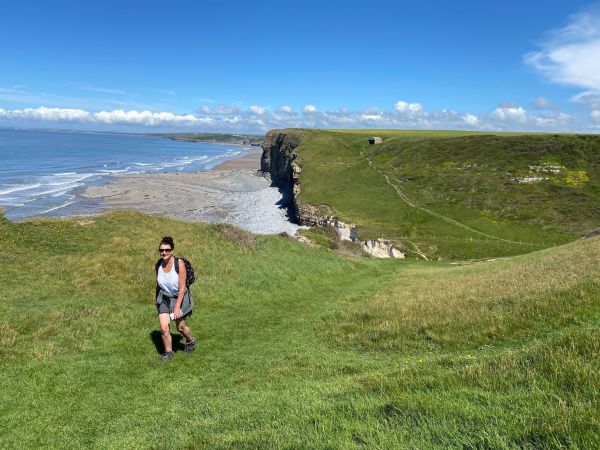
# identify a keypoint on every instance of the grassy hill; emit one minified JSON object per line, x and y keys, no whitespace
{"x":456,"y":195}
{"x":299,"y":348}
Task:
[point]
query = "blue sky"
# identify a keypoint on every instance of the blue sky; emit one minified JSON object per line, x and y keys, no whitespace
{"x":220,"y":65}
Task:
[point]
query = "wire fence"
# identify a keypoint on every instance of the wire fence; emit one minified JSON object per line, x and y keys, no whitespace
{"x":466,"y":239}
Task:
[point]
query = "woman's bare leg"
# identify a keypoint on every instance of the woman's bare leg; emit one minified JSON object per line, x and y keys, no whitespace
{"x":165,"y":331}
{"x":184,"y":329}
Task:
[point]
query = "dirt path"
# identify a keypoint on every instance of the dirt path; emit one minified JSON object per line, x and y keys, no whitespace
{"x":410,"y":203}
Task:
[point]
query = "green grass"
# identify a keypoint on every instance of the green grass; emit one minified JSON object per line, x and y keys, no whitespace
{"x":453,"y":194}
{"x":299,"y":348}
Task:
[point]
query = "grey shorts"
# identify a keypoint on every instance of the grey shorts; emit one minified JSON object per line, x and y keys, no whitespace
{"x":167,"y":306}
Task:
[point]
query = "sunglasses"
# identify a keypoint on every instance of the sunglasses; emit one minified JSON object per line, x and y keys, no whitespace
{"x":165,"y":250}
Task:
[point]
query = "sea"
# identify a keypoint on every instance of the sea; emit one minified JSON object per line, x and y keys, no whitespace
{"x":42,"y":172}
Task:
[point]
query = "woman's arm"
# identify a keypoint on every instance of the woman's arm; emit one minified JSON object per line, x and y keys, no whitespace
{"x":182,"y":289}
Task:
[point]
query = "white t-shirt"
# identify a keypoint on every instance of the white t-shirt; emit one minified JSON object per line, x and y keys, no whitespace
{"x":168,"y":281}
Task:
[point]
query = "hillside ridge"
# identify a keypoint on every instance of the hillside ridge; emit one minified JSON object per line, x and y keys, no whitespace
{"x":453,"y":196}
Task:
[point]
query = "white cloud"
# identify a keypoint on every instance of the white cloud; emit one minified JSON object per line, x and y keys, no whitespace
{"x":542,"y":103}
{"x":285,"y":110}
{"x":510,"y":114}
{"x":258,"y":110}
{"x":470,"y":119}
{"x":570,"y":54}
{"x":219,"y":110}
{"x":589,"y":98}
{"x":309,"y":109}
{"x":372,"y":117}
{"x":517,"y":118}
{"x":146,"y":118}
{"x":595,"y":115}
{"x":47,"y":114}
{"x":405,"y":107}
{"x":557,"y":121}
{"x":117,"y":116}
{"x":226,"y":110}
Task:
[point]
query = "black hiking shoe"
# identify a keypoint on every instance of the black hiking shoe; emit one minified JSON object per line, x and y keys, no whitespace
{"x":166,"y":356}
{"x":189,"y":346}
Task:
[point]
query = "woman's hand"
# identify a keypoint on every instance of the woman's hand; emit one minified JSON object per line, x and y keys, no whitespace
{"x":177,"y":312}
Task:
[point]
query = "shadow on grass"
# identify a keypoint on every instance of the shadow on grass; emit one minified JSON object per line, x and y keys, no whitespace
{"x":156,"y":339}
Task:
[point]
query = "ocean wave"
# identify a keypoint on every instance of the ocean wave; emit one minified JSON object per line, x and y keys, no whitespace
{"x":56,"y":207}
{"x":66,"y":178}
{"x":18,"y":188}
{"x":58,"y":191}
{"x":11,"y":202}
{"x":109,"y":171}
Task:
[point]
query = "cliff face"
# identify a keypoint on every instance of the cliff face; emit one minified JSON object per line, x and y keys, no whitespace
{"x":278,"y":157}
{"x":279,"y":161}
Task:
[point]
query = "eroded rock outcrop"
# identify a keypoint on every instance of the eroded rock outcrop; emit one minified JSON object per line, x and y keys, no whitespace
{"x":382,"y":248}
{"x":345,"y":231}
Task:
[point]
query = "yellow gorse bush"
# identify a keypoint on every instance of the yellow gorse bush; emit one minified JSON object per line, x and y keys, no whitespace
{"x":576,"y":177}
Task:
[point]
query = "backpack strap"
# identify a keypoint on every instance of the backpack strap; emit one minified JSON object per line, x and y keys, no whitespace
{"x":159,"y":263}
{"x":156,"y":267}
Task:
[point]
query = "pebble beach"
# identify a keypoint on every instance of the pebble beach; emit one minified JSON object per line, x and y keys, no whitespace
{"x":232,"y":192}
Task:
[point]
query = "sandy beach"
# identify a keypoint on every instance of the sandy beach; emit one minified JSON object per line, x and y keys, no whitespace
{"x":231,"y":193}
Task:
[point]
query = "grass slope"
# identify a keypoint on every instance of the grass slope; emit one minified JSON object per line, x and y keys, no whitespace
{"x":456,"y":194}
{"x":295,"y":350}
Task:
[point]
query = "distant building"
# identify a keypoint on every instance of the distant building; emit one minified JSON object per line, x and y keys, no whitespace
{"x":375,"y":140}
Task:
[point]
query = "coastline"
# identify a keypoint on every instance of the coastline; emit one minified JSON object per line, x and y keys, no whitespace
{"x":231,"y":192}
{"x":248,"y":161}
{"x":48,"y":173}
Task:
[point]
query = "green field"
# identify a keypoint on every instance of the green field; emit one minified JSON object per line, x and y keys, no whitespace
{"x":453,"y":194}
{"x":299,"y":347}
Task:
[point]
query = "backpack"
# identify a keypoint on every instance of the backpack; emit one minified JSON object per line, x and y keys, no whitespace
{"x":189,"y":270}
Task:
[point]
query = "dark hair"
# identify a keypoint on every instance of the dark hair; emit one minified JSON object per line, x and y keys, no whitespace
{"x":167,"y":240}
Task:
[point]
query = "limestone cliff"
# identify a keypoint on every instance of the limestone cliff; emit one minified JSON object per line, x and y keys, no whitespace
{"x":278,"y":156}
{"x":278,"y":162}
{"x":281,"y":164}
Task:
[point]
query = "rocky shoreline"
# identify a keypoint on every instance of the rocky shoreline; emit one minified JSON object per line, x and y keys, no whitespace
{"x":233,"y":192}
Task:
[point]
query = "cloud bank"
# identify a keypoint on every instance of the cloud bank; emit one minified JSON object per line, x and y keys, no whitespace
{"x":571,"y":56}
{"x":258,"y":119}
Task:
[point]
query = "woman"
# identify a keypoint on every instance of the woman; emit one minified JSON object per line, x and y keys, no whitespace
{"x":173,"y":299}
